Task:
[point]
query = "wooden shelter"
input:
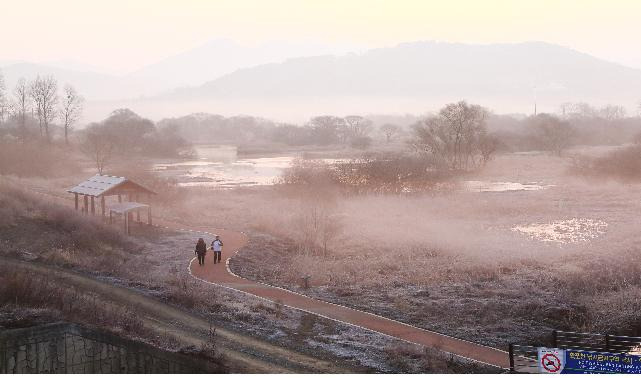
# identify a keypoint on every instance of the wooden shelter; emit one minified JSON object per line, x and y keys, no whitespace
{"x":101,"y":186}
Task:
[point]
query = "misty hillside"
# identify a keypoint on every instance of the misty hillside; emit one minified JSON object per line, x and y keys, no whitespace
{"x":223,"y":56}
{"x":191,"y":67}
{"x":409,"y":78}
{"x":432,"y":69}
{"x":92,"y":85}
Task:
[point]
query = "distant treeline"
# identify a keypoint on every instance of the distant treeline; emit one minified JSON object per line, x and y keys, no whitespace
{"x":353,"y":130}
{"x":572,"y":124}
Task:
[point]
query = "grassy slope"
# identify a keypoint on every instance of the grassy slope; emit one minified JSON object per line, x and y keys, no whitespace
{"x":38,"y":230}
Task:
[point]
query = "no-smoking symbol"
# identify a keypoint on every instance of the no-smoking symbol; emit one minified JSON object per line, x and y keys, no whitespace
{"x":551,"y":363}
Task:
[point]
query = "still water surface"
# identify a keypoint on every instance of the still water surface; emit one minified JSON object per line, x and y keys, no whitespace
{"x":220,"y":166}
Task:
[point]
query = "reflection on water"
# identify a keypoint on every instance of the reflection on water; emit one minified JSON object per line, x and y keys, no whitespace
{"x":219,"y":166}
{"x":566,"y":231}
{"x":494,"y":186}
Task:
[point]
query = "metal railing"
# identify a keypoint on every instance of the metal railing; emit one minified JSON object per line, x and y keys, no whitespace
{"x":596,"y":342}
{"x":523,"y":359}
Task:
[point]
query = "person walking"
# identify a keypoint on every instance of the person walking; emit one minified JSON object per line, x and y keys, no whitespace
{"x":217,"y":247}
{"x":201,"y":251}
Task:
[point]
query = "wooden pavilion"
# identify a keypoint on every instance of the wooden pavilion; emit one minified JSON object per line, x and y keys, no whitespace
{"x":101,"y":186}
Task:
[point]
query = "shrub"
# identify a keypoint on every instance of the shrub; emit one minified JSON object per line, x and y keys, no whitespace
{"x":373,"y":173}
{"x":623,"y":164}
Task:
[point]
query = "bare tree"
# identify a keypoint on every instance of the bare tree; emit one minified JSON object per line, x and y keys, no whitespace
{"x":70,"y":110}
{"x":22,"y":104}
{"x":488,"y":145}
{"x":317,"y":227}
{"x":580,"y":110}
{"x":390,"y":131}
{"x":358,"y":126}
{"x":325,"y":129}
{"x":99,"y":145}
{"x":4,"y":102}
{"x":553,"y":134}
{"x":453,"y":135}
{"x":43,"y":92}
{"x":612,"y":113}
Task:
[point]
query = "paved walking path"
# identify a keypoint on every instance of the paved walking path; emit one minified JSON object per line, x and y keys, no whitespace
{"x":219,"y":274}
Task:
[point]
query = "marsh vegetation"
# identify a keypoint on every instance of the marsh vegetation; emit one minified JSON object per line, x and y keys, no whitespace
{"x":489,"y":228}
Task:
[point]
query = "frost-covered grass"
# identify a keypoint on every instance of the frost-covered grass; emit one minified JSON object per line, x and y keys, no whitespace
{"x":452,"y":261}
{"x":492,"y":267}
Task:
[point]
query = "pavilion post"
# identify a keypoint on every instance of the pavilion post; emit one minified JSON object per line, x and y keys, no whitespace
{"x":102,"y":205}
{"x":86,"y":203}
{"x":93,"y":206}
{"x":130,"y":216}
{"x":126,"y":218}
{"x":119,"y":198}
{"x":110,"y":217}
{"x":76,"y":199}
{"x":149,"y":215}
{"x":137,"y":211}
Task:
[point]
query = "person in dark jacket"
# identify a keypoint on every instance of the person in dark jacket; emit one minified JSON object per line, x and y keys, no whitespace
{"x":201,"y":251}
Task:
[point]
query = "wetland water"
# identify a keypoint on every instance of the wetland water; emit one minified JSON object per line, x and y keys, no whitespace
{"x":220,"y":166}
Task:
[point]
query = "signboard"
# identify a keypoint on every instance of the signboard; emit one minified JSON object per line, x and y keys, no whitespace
{"x":550,"y":360}
{"x":557,"y":361}
{"x":601,"y":362}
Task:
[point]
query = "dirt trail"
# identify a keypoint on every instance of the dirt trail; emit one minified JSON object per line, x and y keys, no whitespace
{"x":245,"y":354}
{"x":220,"y":274}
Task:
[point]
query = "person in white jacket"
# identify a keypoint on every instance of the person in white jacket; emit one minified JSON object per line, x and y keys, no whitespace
{"x":217,"y":247}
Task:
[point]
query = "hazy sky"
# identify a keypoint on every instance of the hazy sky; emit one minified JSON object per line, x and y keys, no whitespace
{"x":122,"y":35}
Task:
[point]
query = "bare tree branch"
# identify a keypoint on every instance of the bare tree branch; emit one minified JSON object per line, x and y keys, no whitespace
{"x":43,"y":91}
{"x":70,"y":110}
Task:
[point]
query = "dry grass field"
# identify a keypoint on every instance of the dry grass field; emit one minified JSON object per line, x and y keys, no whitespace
{"x":493,"y":267}
{"x":153,"y":262}
{"x":489,"y":266}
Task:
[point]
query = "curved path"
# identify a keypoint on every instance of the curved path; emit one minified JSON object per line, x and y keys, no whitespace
{"x":220,"y":274}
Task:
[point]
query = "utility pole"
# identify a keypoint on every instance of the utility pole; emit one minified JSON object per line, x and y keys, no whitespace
{"x":535,"y":100}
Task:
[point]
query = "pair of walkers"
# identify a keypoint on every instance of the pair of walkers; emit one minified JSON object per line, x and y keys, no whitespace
{"x":201,"y":250}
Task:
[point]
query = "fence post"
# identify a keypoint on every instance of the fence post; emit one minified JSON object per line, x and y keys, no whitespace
{"x":555,"y":335}
{"x":3,"y":355}
{"x":607,"y":342}
{"x":512,"y":358}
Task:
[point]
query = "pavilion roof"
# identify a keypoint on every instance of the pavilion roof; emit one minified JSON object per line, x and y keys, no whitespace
{"x":100,"y":185}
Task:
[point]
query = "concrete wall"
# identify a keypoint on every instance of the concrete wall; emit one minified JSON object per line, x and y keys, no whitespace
{"x":69,"y":348}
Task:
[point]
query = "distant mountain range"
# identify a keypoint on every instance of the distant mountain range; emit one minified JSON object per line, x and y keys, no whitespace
{"x":92,"y":85}
{"x":223,"y":56}
{"x":411,"y":77}
{"x":189,"y":68}
{"x":430,"y":69}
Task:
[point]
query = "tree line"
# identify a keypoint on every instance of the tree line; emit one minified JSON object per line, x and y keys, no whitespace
{"x":127,"y":134}
{"x":38,"y":101}
{"x":353,"y":130}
